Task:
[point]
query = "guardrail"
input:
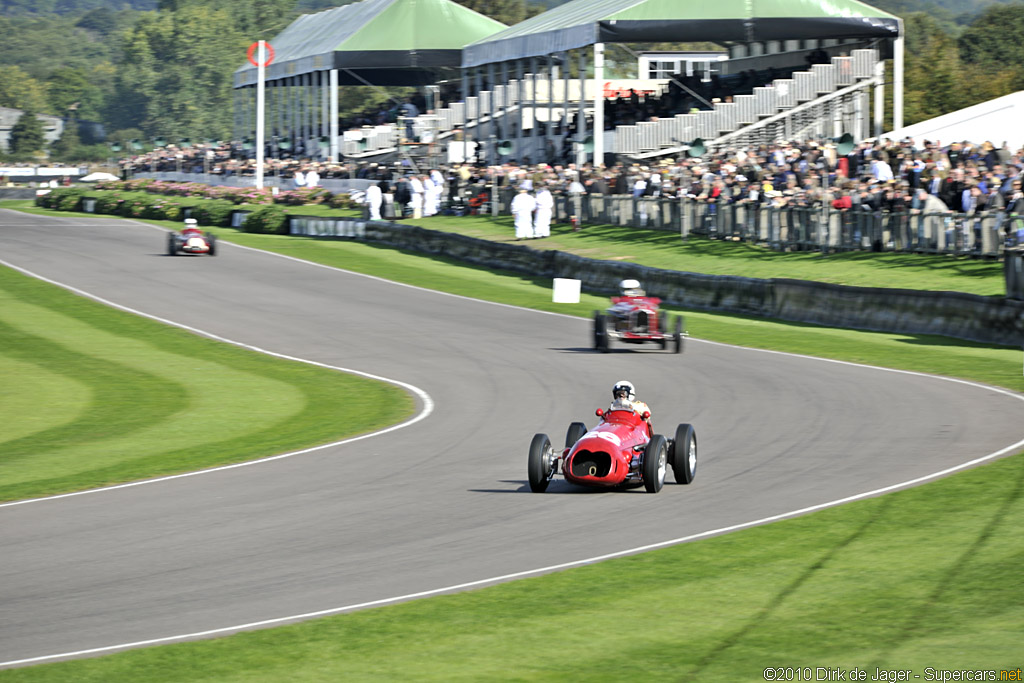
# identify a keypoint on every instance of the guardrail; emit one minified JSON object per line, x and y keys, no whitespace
{"x":797,"y":228}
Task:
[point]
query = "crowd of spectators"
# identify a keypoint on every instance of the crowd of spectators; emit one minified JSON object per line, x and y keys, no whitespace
{"x":888,"y":175}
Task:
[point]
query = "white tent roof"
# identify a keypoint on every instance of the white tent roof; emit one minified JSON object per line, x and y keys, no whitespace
{"x":996,"y":121}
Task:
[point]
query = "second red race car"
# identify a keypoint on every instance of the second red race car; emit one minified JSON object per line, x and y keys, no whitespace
{"x":191,"y":240}
{"x":621,"y":451}
{"x":635,"y":318}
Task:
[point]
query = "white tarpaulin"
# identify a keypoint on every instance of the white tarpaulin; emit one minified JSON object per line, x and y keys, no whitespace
{"x":996,"y":121}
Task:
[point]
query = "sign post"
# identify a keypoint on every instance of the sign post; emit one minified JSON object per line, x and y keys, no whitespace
{"x":264,"y":56}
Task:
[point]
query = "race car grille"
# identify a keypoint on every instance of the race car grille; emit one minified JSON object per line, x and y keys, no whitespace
{"x":588,"y":464}
{"x":641,"y":322}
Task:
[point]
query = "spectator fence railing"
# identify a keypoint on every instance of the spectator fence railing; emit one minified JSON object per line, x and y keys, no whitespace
{"x":798,"y":227}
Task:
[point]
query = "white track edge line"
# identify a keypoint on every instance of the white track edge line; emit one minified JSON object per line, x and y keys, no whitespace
{"x":509,"y":577}
{"x":424,"y":397}
{"x":551,"y":568}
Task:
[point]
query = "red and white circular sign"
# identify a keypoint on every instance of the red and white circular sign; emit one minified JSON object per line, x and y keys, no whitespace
{"x":251,"y":54}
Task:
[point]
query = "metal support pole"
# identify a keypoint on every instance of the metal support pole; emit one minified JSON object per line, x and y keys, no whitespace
{"x":581,"y":118}
{"x":334,"y":114}
{"x":566,"y":138}
{"x":598,"y":104}
{"x":261,"y":72}
{"x":478,"y":75}
{"x":548,"y":130}
{"x":897,"y":83}
{"x":492,"y":127}
{"x":879,"y":98}
{"x":534,"y":130}
{"x":521,"y":91}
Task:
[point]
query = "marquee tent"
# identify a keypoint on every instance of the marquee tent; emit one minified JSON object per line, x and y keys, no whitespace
{"x":378,"y":42}
{"x":586,"y":22}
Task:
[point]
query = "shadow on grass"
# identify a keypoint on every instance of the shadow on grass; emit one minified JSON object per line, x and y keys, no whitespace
{"x":808,"y":573}
{"x":918,"y":623}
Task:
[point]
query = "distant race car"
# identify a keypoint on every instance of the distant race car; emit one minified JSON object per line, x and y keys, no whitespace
{"x":635,"y":318}
{"x":191,"y":240}
{"x":620,"y":451}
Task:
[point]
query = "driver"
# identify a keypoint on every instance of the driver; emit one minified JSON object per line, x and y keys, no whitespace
{"x":631,"y":288}
{"x":190,"y":224}
{"x":624,"y":398}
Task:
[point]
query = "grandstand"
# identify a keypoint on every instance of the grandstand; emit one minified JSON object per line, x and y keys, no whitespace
{"x":802,"y":69}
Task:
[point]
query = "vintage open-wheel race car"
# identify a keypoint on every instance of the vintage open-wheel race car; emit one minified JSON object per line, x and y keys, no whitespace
{"x":621,"y":451}
{"x":191,"y":240}
{"x":637,"y":320}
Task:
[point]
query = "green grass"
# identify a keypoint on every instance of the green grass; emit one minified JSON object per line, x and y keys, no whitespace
{"x":716,"y":257}
{"x":927,"y":577}
{"x":837,"y":588}
{"x":93,"y":396}
{"x":666,"y":250}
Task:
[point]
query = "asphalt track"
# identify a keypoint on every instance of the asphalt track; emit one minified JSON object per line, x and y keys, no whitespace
{"x":443,"y":502}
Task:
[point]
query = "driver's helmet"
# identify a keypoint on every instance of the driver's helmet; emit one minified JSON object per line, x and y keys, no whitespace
{"x":630,"y":288}
{"x":624,"y":390}
{"x":191,"y":224}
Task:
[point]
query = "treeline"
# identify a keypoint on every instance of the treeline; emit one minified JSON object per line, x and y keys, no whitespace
{"x":147,"y":68}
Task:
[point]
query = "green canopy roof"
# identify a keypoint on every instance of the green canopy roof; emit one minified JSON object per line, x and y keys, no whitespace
{"x":384,"y":42}
{"x":584,"y":22}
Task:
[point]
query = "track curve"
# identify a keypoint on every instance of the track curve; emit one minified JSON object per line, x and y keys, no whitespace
{"x":444,"y":502}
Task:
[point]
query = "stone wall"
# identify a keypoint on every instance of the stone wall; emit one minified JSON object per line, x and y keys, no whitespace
{"x":990,"y":320}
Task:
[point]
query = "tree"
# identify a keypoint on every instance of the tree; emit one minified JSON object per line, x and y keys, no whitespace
{"x":18,"y":90}
{"x":68,"y":143}
{"x":995,"y":40}
{"x":26,"y":134}
{"x":506,"y":11}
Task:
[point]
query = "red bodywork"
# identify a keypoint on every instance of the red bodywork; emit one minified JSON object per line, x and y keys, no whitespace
{"x":189,"y":246}
{"x":609,"y":454}
{"x":636,"y":318}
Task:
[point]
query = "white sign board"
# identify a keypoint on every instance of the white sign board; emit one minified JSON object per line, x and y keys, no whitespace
{"x":566,"y":291}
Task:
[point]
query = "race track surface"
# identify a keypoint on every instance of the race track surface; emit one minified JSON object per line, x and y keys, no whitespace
{"x":445,"y":501}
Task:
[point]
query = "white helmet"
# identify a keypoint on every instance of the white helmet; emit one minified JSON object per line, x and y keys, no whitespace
{"x":191,"y":222}
{"x":630,"y":288}
{"x":624,"y":386}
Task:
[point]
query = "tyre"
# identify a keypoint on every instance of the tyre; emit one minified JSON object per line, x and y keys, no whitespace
{"x":172,"y":245}
{"x":575,"y":433}
{"x":211,"y":241}
{"x":655,"y":463}
{"x":684,"y":454}
{"x":600,"y":332}
{"x":663,"y":323}
{"x":539,"y":469}
{"x":677,"y":336}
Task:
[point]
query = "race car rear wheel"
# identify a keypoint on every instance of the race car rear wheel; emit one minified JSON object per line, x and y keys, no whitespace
{"x":684,"y":454}
{"x":600,"y":332}
{"x":172,"y":244}
{"x":677,"y":336}
{"x":541,"y":457}
{"x":211,"y":242}
{"x":574,"y":434}
{"x":655,"y":463}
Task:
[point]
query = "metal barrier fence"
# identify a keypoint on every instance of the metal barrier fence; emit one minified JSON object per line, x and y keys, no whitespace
{"x":797,"y":228}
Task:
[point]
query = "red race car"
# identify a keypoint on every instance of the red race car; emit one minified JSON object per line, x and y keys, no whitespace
{"x":634,"y":318}
{"x":620,"y":451}
{"x":191,"y":240}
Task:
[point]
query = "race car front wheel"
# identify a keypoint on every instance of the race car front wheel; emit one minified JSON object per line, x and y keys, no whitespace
{"x":540,"y":466}
{"x":655,"y":463}
{"x":600,"y":332}
{"x":677,"y":336}
{"x":684,"y":454}
{"x":172,"y":245}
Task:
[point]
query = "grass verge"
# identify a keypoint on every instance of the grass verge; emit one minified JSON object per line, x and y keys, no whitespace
{"x":661,"y":249}
{"x":927,"y":577}
{"x":127,"y":398}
